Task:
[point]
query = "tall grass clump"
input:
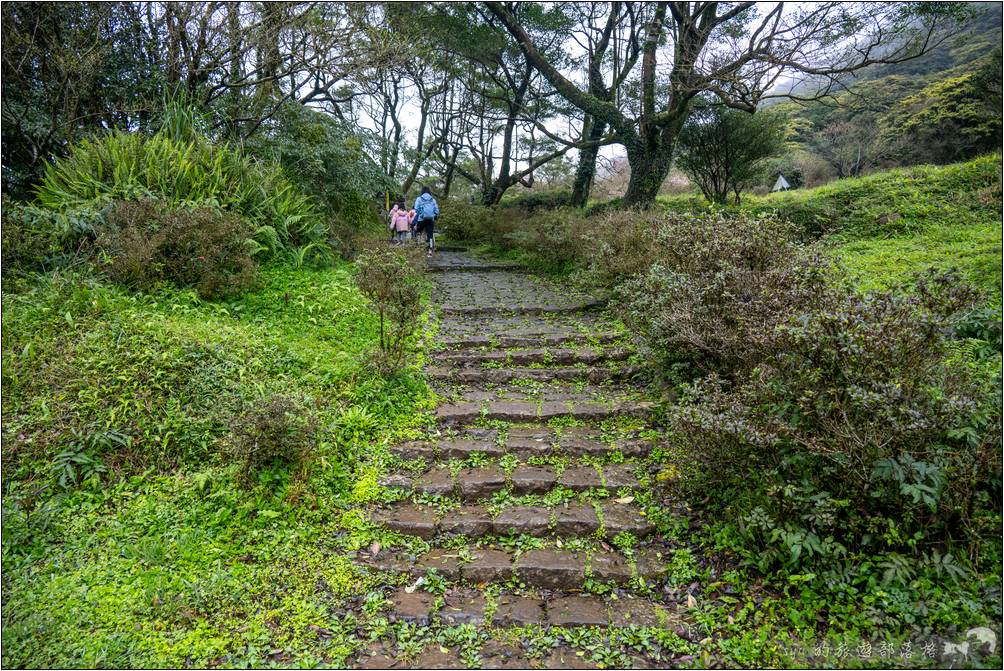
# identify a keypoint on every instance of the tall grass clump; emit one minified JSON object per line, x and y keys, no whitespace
{"x":184,"y":173}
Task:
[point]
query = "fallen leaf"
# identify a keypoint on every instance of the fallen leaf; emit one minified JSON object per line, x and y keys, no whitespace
{"x":624,"y":499}
{"x":415,"y":585}
{"x":320,"y":631}
{"x":375,"y":549}
{"x":691,"y":601}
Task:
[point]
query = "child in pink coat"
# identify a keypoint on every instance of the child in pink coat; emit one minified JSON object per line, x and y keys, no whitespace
{"x":400,"y":221}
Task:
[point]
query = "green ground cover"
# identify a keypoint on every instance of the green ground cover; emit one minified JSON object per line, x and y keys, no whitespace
{"x":886,"y":226}
{"x":154,"y":551}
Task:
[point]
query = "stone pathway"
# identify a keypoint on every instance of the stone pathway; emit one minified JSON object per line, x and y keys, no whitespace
{"x":536,"y":504}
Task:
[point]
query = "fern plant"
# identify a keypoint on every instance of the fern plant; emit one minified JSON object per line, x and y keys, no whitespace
{"x":184,"y":169}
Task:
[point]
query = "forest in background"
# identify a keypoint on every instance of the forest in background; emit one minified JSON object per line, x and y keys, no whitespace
{"x":209,"y":348}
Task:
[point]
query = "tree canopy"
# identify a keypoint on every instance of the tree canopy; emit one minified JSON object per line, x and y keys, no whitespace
{"x":475,"y":98}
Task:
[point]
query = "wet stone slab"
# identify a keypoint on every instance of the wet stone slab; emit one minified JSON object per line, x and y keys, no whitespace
{"x":610,"y":567}
{"x":529,"y":520}
{"x":616,"y":476}
{"x":580,"y":478}
{"x":436,"y":482}
{"x":463,"y":607}
{"x":618,"y":518}
{"x":575,"y":520}
{"x":488,"y":566}
{"x":518,"y":611}
{"x":463,"y":448}
{"x":553,"y":569}
{"x":445,"y":562}
{"x":532,"y":479}
{"x":415,"y":608}
{"x":479,"y":483}
{"x":414,"y":450}
{"x":408,"y":519}
{"x":577,"y":611}
{"x":470,"y":521}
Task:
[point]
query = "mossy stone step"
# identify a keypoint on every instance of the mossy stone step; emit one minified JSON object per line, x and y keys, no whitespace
{"x":543,"y":309}
{"x":571,"y":520}
{"x":469,"y":606}
{"x":477,"y":375}
{"x":549,"y":394}
{"x":472,"y":484}
{"x":546,"y":568}
{"x":523,"y":443}
{"x":545,"y":339}
{"x":525,"y":412}
{"x":558,"y":357}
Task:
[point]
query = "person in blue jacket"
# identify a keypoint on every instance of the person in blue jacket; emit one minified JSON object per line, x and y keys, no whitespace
{"x":426,"y":211}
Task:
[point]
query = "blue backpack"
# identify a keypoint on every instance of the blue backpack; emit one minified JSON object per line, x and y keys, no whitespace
{"x":422,"y":206}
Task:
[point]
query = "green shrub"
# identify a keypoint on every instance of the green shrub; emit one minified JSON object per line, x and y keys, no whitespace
{"x":866,"y":427}
{"x":146,"y":242}
{"x":391,"y":279}
{"x":619,"y":244}
{"x":465,"y":222}
{"x":551,"y":237}
{"x":36,"y":239}
{"x":717,"y":289}
{"x":329,"y":162}
{"x":194,"y":173}
{"x":539,"y":200}
{"x":277,"y":432}
{"x":895,"y":202}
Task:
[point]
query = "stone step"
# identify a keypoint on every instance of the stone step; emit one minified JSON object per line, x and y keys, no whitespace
{"x":469,"y":606}
{"x":481,"y":376}
{"x":471,"y":341}
{"x":572,"y":520}
{"x":557,"y":357}
{"x":475,"y":267}
{"x":452,"y":414}
{"x":523,"y":443}
{"x":472,"y":484}
{"x":546,"y":393}
{"x":509,"y":309}
{"x":528,"y":326}
{"x":547,"y":568}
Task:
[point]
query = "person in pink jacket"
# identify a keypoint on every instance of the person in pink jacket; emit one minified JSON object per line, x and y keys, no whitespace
{"x":400,"y":221}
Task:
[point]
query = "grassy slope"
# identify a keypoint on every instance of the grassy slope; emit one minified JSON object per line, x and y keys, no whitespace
{"x":176,"y":566}
{"x":886,"y":226}
{"x":950,"y":216}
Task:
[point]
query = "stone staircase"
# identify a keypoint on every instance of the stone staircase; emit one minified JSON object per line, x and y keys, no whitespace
{"x":534,"y":482}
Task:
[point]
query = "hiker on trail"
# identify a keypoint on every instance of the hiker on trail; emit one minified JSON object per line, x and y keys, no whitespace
{"x":400,"y":219}
{"x":390,"y":222}
{"x":426,"y":211}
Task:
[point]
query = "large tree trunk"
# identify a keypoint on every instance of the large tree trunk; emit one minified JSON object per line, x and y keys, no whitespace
{"x":585,"y":173}
{"x":650,"y":166}
{"x":650,"y":156}
{"x":492,"y":193}
{"x":268,"y":56}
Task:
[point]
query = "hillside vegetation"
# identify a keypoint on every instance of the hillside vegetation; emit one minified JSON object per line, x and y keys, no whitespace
{"x":890,"y":224}
{"x":243,"y":429}
{"x":130,"y":503}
